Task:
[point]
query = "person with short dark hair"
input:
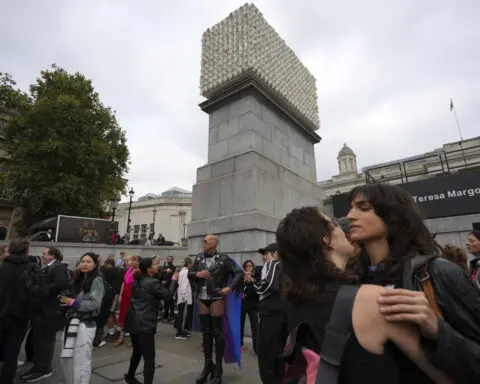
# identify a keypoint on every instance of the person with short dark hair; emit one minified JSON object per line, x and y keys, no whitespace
{"x":272,"y":330}
{"x":50,"y":320}
{"x":166,"y":274}
{"x":114,"y":276}
{"x":13,"y":321}
{"x":184,"y":302}
{"x":252,"y":274}
{"x":211,"y":272}
{"x":473,"y":246}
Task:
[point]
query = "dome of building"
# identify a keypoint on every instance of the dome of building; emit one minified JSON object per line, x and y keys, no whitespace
{"x":346,"y":151}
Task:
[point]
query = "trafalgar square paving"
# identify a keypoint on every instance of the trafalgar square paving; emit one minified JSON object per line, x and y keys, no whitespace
{"x":177,"y":362}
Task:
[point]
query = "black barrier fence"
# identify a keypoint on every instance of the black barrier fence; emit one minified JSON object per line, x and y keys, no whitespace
{"x":443,"y":195}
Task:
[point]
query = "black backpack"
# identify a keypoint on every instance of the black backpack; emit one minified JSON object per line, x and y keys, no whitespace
{"x":30,"y":292}
{"x":107,"y":301}
{"x":303,"y":364}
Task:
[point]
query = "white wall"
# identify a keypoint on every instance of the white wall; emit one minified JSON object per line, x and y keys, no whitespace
{"x":168,"y":219}
{"x":72,"y":251}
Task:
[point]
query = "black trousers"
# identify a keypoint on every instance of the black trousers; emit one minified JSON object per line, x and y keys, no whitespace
{"x":169,"y":309}
{"x":44,"y":335}
{"x":253,"y":318}
{"x":11,"y":339}
{"x":143,"y":346}
{"x":29,"y":349}
{"x":272,"y":334}
{"x":184,"y":320}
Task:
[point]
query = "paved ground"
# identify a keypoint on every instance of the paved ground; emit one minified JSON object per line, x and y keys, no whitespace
{"x":179,"y":362}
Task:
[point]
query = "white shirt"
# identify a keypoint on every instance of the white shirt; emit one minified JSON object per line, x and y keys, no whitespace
{"x":184,"y":292}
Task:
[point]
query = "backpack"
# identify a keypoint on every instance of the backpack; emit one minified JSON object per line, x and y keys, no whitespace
{"x":303,"y":364}
{"x":31,"y":292}
{"x":417,"y":276}
{"x":107,"y":302}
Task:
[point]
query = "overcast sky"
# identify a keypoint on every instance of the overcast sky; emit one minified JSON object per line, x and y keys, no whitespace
{"x":385,"y":71}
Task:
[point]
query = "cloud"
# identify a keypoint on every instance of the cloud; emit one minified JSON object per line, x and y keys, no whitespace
{"x":385,"y":72}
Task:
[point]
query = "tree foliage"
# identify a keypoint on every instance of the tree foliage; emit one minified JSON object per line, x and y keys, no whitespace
{"x":67,"y":153}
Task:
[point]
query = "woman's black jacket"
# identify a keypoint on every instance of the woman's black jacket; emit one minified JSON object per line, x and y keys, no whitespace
{"x":145,"y":304}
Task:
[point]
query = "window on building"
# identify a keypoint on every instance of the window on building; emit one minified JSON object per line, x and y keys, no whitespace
{"x":144,"y":228}
{"x":136,"y":229}
{"x":143,"y":236}
{"x":152,"y":227}
{"x":135,"y":237}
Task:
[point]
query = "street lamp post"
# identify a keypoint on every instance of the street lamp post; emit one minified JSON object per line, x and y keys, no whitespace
{"x":113,"y":207}
{"x":153,"y":225}
{"x":130,"y":193}
{"x":184,"y":230}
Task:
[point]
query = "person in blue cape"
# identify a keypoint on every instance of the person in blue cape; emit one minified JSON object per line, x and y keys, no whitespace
{"x":217,"y":277}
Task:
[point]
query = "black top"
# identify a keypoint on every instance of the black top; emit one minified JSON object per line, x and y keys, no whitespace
{"x":358,"y":365}
{"x":142,"y":315}
{"x":250,"y":295}
{"x":222,"y":270}
{"x":114,"y":277}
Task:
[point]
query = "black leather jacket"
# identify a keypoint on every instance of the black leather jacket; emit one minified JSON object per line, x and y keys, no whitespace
{"x":457,"y":351}
{"x":145,"y":304}
{"x":221,"y":268}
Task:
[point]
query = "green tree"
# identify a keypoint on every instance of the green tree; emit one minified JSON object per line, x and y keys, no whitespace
{"x":67,"y":153}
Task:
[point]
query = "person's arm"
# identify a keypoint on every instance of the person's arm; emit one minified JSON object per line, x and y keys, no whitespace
{"x":160,"y":292}
{"x":92,"y":301}
{"x":269,"y":282}
{"x":457,"y":351}
{"x":373,"y":331}
{"x":195,"y":272}
{"x":237,"y":275}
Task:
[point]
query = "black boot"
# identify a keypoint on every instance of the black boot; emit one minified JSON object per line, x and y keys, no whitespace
{"x":217,"y":331}
{"x":209,"y":367}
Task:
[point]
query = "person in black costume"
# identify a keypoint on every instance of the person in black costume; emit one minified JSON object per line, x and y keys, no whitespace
{"x":211,"y":272}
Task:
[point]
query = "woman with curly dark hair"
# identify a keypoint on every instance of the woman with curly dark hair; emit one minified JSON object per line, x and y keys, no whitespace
{"x":313,"y":252}
{"x":399,"y":252}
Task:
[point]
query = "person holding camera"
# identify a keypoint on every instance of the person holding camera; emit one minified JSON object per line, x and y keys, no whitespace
{"x":50,"y":319}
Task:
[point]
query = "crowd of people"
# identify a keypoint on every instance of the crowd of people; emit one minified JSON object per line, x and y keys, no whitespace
{"x":371,"y":297}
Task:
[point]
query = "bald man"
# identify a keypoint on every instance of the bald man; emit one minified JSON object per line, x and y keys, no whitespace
{"x":211,"y":271}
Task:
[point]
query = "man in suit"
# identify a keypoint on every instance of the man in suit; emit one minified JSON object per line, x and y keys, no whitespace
{"x":50,"y":320}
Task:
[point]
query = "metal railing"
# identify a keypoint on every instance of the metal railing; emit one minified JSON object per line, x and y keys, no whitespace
{"x":429,"y":165}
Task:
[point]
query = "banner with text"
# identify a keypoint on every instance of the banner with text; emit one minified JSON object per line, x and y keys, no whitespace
{"x":442,"y":196}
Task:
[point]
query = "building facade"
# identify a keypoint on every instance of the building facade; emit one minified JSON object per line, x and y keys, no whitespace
{"x":445,"y":183}
{"x":168,"y":214}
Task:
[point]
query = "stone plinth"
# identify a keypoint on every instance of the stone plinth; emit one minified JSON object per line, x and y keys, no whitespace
{"x":263,"y":114}
{"x":261,"y":165}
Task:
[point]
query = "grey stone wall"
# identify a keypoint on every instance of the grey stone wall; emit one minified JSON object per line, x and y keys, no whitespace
{"x":452,"y":230}
{"x":261,"y":165}
{"x":249,"y":123}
